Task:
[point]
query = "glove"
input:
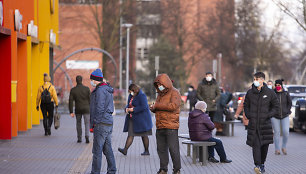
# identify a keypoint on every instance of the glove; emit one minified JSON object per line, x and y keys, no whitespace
{"x":37,"y":108}
{"x":92,"y":129}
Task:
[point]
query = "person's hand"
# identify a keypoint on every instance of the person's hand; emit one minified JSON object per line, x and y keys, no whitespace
{"x":72,"y":115}
{"x":127,"y":110}
{"x":214,"y":101}
{"x":37,"y":108}
{"x":131,"y":109}
{"x":152,"y":107}
{"x":236,"y":116}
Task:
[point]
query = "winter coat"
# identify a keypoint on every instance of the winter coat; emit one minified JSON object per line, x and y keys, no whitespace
{"x":192,"y":97}
{"x":259,"y":107}
{"x":51,"y":90}
{"x":80,"y":94}
{"x":200,"y":126}
{"x":285,"y":104}
{"x":167,"y":105}
{"x":239,"y":110}
{"x":225,"y":98}
{"x":101,"y":105}
{"x":207,"y":92}
{"x":141,"y":115}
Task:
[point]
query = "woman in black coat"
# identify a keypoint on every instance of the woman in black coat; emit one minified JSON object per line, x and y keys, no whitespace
{"x":138,"y":121}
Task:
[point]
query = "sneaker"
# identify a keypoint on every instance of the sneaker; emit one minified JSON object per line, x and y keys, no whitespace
{"x":277,"y":152}
{"x":213,"y":160}
{"x":123,"y":151}
{"x":284,"y":151}
{"x":176,"y":172}
{"x":226,"y":161}
{"x":145,"y":153}
{"x":262,"y":168}
{"x":257,"y":169}
{"x":162,"y":172}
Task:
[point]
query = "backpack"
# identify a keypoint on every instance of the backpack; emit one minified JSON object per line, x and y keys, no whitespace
{"x":45,"y":96}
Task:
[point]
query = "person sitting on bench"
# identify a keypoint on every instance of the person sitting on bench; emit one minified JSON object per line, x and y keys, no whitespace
{"x":200,"y":127}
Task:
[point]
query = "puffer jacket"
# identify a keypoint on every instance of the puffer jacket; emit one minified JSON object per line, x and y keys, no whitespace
{"x":52,"y":91}
{"x":259,"y":107}
{"x":167,"y":105}
{"x":101,"y":105}
{"x":285,"y":104}
{"x":200,"y":126}
{"x":207,"y":92}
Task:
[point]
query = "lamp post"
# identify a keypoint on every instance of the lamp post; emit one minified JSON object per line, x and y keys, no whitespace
{"x":219,"y":56}
{"x":120,"y":49}
{"x":128,"y":26}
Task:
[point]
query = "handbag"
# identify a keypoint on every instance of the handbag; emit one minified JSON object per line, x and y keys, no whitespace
{"x":57,"y":118}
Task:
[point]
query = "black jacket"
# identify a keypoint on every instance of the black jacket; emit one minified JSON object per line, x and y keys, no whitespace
{"x":259,"y":107}
{"x":209,"y":91}
{"x":192,"y":97}
{"x":285,"y":104}
{"x":81,"y":96}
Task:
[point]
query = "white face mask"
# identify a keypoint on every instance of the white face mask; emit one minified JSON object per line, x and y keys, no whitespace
{"x":256,"y":83}
{"x":93,"y":84}
{"x":209,"y":78}
{"x":190,"y":89}
{"x":132,"y":93}
{"x":161,"y":87}
{"x":270,"y":86}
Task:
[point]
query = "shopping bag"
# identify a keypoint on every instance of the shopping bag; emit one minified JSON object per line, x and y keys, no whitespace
{"x":57,"y":118}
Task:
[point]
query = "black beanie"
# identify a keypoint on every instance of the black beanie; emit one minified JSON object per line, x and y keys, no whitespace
{"x":279,"y":81}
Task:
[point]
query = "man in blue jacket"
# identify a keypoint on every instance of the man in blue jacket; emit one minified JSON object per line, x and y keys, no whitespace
{"x":101,"y":120}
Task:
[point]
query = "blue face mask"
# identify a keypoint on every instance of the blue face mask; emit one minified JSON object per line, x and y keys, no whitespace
{"x":256,"y":83}
{"x":161,"y":87}
{"x":270,"y":86}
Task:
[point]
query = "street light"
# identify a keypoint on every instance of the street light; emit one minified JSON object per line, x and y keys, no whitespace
{"x":128,"y":26}
{"x":219,"y":56}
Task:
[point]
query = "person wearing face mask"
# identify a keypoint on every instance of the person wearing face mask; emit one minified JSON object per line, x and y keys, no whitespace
{"x":138,"y":121}
{"x":270,"y":84}
{"x":280,"y":121}
{"x":101,"y":121}
{"x":209,"y":92}
{"x":200,"y":127}
{"x":260,"y":104}
{"x":167,"y":114}
{"x":192,"y":97}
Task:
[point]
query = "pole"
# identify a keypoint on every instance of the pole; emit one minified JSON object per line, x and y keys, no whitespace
{"x":219,"y":73}
{"x":120,"y":49}
{"x":156,"y":68}
{"x":127,"y":61}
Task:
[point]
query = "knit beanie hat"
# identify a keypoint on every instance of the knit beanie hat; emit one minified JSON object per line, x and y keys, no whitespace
{"x":279,"y":81}
{"x":97,"y":75}
{"x":200,"y":105}
{"x":47,"y":78}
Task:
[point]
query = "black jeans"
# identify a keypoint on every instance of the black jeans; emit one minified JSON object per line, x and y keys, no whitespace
{"x":47,"y":111}
{"x":259,"y":151}
{"x":211,"y":114}
{"x":219,"y":148}
{"x":167,"y":140}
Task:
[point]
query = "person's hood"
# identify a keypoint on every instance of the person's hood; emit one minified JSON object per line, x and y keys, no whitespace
{"x":205,"y":82}
{"x":106,"y":86}
{"x":164,"y":80}
{"x":263,"y":88}
{"x":195,"y":113}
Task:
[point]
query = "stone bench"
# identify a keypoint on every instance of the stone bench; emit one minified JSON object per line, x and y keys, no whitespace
{"x":226,"y":127}
{"x":201,"y":148}
{"x":186,"y":136}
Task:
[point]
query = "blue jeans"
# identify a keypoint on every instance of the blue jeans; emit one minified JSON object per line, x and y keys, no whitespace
{"x":277,"y":124}
{"x":219,"y":148}
{"x":102,"y":143}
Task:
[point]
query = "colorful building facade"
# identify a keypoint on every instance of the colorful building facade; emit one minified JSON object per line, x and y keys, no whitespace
{"x":28,"y":34}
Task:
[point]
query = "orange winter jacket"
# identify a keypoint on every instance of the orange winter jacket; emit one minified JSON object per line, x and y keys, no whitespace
{"x":167,"y":105}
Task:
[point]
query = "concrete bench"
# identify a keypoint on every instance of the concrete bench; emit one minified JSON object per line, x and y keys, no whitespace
{"x":186,"y":136}
{"x":226,"y":127}
{"x":201,"y":147}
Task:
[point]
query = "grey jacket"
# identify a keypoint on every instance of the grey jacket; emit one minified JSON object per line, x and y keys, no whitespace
{"x":101,"y":105}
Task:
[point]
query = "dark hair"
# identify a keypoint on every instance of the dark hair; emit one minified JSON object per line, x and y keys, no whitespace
{"x":191,"y":87}
{"x":78,"y":78}
{"x":259,"y":75}
{"x":270,"y":81}
{"x":209,"y":73}
{"x":135,"y":88}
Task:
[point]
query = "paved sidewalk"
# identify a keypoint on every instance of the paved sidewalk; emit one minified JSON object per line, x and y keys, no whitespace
{"x":33,"y":153}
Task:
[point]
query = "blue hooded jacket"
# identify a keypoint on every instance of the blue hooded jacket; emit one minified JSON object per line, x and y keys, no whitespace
{"x":101,"y":105}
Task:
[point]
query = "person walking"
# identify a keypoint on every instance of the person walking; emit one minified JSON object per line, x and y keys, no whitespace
{"x":46,"y":97}
{"x":270,"y":84}
{"x":208,"y":91}
{"x":280,"y":121}
{"x":200,"y":127}
{"x":260,"y":105}
{"x":167,"y":110}
{"x":192,"y":97}
{"x":138,"y":121}
{"x":101,"y":121}
{"x":80,"y":94}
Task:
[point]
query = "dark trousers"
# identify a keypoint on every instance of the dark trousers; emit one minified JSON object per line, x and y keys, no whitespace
{"x":219,"y":148}
{"x":211,"y":114}
{"x":47,"y":111}
{"x":191,"y":106}
{"x":167,"y":140}
{"x":259,"y":151}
